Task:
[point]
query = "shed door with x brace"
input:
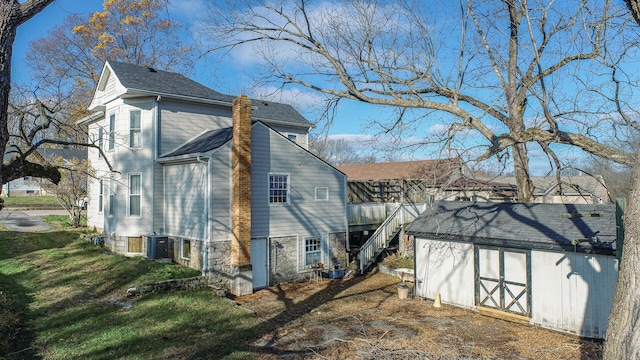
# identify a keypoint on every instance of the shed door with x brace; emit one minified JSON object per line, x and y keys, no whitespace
{"x":503,"y":279}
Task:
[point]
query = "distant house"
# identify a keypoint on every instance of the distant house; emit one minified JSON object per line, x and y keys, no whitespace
{"x":421,"y":181}
{"x":552,"y":265}
{"x":31,"y":186}
{"x":215,"y":182}
{"x":570,"y":190}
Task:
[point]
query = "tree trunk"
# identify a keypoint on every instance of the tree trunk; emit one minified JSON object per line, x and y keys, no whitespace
{"x":623,"y":335}
{"x":521,"y":170}
{"x":12,"y":15}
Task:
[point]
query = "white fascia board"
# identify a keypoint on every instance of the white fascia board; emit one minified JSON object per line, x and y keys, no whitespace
{"x":182,"y":158}
{"x":91,"y":118}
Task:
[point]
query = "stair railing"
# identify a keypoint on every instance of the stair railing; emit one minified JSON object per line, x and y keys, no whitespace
{"x":379,"y":240}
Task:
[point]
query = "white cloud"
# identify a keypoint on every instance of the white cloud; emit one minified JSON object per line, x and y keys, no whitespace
{"x":303,"y":101}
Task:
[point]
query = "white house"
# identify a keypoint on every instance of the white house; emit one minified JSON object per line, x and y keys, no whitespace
{"x":551,"y":265}
{"x":228,"y":183}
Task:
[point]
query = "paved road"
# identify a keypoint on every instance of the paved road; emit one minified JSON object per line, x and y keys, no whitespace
{"x":26,"y":220}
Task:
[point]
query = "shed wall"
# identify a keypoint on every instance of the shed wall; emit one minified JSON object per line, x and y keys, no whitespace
{"x":573,"y":292}
{"x":445,"y":267}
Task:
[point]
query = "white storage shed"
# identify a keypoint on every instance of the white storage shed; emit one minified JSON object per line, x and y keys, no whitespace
{"x":552,"y":265}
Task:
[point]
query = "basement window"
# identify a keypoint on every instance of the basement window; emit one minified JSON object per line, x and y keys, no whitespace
{"x":312,"y":252}
{"x":134,"y":245}
{"x":185,"y":252}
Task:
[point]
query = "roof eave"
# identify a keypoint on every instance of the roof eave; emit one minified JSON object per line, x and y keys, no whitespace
{"x":91,"y":118}
{"x":181,"y":158}
{"x":137,"y":92}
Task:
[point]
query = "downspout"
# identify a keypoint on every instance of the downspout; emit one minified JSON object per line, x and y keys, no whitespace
{"x":154,"y":147}
{"x":346,"y":217}
{"x":207,"y":231}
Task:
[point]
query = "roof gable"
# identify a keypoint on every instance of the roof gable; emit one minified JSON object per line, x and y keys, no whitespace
{"x":135,"y":80}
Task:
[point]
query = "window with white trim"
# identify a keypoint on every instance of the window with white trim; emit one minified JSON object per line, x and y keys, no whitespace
{"x":100,"y":141}
{"x":135,"y":188}
{"x":135,"y":131}
{"x":312,"y":251}
{"x":186,"y":249}
{"x":112,"y":131}
{"x":293,"y":137}
{"x":322,"y":194}
{"x":112,"y":196}
{"x":278,"y":189}
{"x":101,"y":195}
{"x":134,"y":245}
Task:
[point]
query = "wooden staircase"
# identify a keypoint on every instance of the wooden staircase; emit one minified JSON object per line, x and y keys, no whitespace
{"x":378,"y":242}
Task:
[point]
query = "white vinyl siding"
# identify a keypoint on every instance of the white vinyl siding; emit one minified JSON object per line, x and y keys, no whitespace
{"x":272,"y":153}
{"x":184,"y":196}
{"x":135,"y":191}
{"x":181,"y":122}
{"x":135,"y":130}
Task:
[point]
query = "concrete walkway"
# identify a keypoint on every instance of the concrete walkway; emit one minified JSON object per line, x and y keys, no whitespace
{"x":24,"y":221}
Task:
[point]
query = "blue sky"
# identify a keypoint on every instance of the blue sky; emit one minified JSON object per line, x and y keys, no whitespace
{"x":231,"y":77}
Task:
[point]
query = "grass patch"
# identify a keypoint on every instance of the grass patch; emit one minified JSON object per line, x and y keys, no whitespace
{"x":62,"y":221}
{"x":397,"y":261}
{"x":30,"y":200}
{"x":61,"y":298}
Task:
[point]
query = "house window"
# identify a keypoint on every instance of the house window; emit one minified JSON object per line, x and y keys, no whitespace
{"x":134,"y":245}
{"x":112,"y":196}
{"x":134,"y":195}
{"x":293,"y":137}
{"x":112,"y":129}
{"x":312,"y":251}
{"x":186,"y":249}
{"x":135,"y":131}
{"x":278,"y":189}
{"x":322,"y":194}
{"x":101,"y":196}
{"x":100,"y":135}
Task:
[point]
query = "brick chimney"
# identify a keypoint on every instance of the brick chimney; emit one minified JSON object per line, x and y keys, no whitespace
{"x":241,"y":274}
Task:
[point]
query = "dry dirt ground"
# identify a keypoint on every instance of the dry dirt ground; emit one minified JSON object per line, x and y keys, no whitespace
{"x":363,"y":318}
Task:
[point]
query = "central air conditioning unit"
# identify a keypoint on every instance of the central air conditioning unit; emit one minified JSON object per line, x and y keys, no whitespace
{"x":157,"y":246}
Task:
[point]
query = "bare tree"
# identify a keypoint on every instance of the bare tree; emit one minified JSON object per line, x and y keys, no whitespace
{"x":514,"y":72}
{"x":338,"y":152}
{"x":12,"y":15}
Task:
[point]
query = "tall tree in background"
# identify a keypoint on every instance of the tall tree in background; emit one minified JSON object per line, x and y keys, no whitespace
{"x":67,"y":62}
{"x":501,"y":76}
{"x":12,"y":15}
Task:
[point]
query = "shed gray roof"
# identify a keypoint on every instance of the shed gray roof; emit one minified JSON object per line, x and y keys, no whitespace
{"x":540,"y":226}
{"x":148,"y":80}
{"x":209,"y":140}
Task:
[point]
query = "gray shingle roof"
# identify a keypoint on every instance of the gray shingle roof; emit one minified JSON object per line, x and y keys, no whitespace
{"x":209,"y":140}
{"x":550,"y":226}
{"x":141,"y":78}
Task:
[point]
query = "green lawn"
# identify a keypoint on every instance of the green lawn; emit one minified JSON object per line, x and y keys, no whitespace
{"x":59,"y":300}
{"x":30,"y":200}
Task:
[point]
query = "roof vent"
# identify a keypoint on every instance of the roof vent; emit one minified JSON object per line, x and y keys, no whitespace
{"x":151,"y":69}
